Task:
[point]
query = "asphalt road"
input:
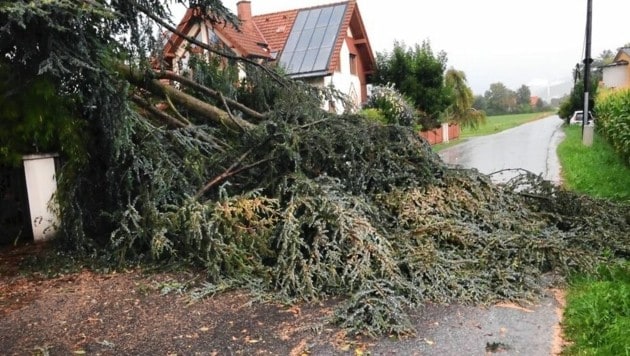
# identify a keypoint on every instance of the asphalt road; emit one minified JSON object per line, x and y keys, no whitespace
{"x":531,"y":146}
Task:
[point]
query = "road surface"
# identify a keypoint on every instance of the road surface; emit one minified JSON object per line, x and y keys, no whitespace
{"x":531,"y":146}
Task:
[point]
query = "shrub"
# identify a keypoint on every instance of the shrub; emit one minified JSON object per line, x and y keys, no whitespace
{"x":374,"y":115}
{"x":35,"y":117}
{"x":613,"y":120}
{"x":393,"y":106}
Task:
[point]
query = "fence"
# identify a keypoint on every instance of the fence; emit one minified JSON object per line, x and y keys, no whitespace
{"x":444,"y":133}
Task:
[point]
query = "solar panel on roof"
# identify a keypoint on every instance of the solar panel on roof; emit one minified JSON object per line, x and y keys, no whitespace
{"x":312,"y":38}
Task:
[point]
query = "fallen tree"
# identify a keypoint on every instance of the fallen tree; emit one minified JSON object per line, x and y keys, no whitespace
{"x":294,"y":202}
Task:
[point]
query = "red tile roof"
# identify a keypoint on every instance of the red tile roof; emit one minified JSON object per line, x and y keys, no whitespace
{"x":248,"y":42}
{"x":275,"y":27}
{"x":272,"y":31}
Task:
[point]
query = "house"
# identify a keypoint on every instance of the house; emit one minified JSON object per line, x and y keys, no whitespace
{"x":324,"y":45}
{"x":617,"y":74}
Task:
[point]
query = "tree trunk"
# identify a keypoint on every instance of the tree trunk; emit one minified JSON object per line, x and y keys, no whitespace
{"x":196,"y":106}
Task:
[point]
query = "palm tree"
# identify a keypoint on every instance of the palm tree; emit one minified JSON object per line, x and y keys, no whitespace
{"x":461,"y":109}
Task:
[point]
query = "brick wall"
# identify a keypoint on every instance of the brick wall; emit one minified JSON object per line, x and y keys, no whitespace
{"x":436,"y":136}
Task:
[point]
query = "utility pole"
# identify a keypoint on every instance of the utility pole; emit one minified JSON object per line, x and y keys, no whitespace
{"x":587,"y":137}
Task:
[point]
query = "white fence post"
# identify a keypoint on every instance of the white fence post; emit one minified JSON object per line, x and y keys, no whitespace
{"x":445,"y":132}
{"x":41,"y":185}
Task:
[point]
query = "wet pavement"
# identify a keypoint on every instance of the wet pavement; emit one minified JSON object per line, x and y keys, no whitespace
{"x":531,"y":146}
{"x":501,"y":329}
{"x":455,"y":330}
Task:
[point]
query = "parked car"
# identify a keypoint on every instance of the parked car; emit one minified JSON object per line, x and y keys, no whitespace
{"x":576,"y":119}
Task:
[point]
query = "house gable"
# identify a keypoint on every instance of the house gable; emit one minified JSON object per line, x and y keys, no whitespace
{"x":247,"y":41}
{"x":307,"y":42}
{"x":617,"y":74}
{"x":623,"y":55}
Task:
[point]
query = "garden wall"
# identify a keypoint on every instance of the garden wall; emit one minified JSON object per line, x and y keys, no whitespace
{"x":444,"y":133}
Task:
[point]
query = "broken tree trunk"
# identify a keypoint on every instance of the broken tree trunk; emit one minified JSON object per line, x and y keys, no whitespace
{"x":213,"y":93}
{"x":196,"y":106}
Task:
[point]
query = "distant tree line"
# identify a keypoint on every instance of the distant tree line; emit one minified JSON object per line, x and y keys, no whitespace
{"x":501,"y":100}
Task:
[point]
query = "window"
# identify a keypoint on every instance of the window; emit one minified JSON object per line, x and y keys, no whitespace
{"x":213,"y":39}
{"x":353,"y":64}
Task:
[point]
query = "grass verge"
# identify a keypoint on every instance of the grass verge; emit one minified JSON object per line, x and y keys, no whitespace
{"x":493,"y":124}
{"x":597,"y":315}
{"x":496,"y":124}
{"x":595,"y":170}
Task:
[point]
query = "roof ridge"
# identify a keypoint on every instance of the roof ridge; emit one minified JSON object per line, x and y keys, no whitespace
{"x":307,"y":8}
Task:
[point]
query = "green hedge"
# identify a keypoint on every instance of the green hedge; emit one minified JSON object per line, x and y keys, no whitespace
{"x":613,"y":120}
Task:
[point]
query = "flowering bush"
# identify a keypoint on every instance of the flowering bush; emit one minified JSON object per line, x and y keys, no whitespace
{"x":392,"y":104}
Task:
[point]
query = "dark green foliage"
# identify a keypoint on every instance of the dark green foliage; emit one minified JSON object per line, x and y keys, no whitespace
{"x":575,"y":101}
{"x":417,"y":73}
{"x":480,"y":103}
{"x":216,"y":73}
{"x":34,"y":118}
{"x":500,"y":100}
{"x":523,"y":95}
{"x":257,"y":91}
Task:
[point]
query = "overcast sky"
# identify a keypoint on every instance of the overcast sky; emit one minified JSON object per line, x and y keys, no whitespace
{"x":535,"y":42}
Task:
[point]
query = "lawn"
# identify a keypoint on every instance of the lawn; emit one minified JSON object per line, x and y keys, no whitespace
{"x":597,"y":315}
{"x":596,"y":170}
{"x":493,"y":124}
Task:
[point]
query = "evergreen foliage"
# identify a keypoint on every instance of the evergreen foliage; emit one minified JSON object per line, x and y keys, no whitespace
{"x":35,"y":119}
{"x":302,"y":204}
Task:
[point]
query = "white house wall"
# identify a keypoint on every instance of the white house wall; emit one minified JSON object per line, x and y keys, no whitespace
{"x":343,"y":81}
{"x":181,"y":54}
{"x":616,"y":76}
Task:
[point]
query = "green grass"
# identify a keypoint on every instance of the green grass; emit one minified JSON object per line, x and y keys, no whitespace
{"x":493,"y":124}
{"x":597,"y":170}
{"x":496,"y":124}
{"x":597,"y":316}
